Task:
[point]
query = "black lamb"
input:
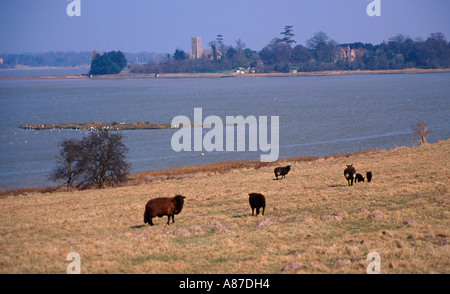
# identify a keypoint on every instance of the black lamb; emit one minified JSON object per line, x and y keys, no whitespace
{"x":282,"y":171}
{"x":257,"y":201}
{"x":359,"y":178}
{"x":369,"y":176}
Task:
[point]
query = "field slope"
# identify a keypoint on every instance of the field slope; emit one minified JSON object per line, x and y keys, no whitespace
{"x":314,"y":222}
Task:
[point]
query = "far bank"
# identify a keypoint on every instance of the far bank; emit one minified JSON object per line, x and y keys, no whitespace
{"x":230,"y":74}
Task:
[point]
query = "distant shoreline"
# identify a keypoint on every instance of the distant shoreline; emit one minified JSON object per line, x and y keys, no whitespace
{"x":127,"y":75}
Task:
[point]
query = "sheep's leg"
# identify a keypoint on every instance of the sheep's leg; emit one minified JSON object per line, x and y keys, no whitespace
{"x":257,"y":211}
{"x":263,"y":210}
{"x":253,"y":211}
{"x":173,"y":219}
{"x":150,"y":222}
{"x":168,"y":219}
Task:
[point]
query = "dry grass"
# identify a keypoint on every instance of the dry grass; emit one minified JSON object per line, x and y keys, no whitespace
{"x":314,"y":222}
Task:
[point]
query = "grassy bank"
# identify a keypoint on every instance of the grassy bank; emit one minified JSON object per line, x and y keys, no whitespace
{"x":314,"y":222}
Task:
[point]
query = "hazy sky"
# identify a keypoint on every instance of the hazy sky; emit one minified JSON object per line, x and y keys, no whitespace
{"x":165,"y":25}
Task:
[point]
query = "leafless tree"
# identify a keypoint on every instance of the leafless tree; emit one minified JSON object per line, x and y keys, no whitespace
{"x":421,"y":130}
{"x":92,"y":161}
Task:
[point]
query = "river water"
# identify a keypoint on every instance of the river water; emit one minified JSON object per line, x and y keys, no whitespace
{"x":318,"y":116}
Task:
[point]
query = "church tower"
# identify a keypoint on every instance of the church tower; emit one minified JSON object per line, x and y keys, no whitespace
{"x":196,"y":48}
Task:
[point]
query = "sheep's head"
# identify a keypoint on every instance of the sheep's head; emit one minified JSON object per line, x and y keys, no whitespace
{"x":178,"y":200}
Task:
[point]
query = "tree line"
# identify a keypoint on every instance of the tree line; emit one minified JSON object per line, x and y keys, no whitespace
{"x":281,"y":54}
{"x":55,"y":59}
{"x":320,"y":52}
{"x":68,"y":59}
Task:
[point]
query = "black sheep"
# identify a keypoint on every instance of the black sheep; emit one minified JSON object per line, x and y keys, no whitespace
{"x":160,"y":207}
{"x":369,"y":176}
{"x":257,"y":201}
{"x":349,"y":174}
{"x":282,"y":171}
{"x":359,"y":178}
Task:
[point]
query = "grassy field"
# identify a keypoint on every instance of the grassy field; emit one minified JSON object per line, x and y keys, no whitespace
{"x":314,"y":222}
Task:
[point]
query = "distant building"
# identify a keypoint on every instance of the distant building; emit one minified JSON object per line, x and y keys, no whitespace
{"x":196,"y":48}
{"x":1,"y":60}
{"x":347,"y":54}
{"x":197,"y":51}
{"x":344,"y":53}
{"x":208,"y":54}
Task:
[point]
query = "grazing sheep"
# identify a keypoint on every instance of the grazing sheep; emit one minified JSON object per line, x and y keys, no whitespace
{"x":257,"y":201}
{"x":369,"y":176}
{"x":282,"y":171}
{"x":349,"y":174}
{"x":163,"y":206}
{"x":359,"y":178}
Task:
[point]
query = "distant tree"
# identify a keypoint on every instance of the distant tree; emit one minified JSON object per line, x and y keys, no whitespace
{"x":421,"y":130}
{"x":300,"y":54}
{"x":179,"y":55}
{"x":277,"y":53}
{"x":219,"y":40}
{"x":322,"y":46}
{"x":109,"y":63}
{"x":288,"y":35}
{"x":213,"y":45}
{"x":318,"y":40}
{"x":118,"y":58}
{"x":240,"y":46}
{"x":92,"y":161}
{"x":434,"y":52}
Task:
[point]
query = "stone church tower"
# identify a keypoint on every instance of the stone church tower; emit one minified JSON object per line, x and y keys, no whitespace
{"x":196,"y":48}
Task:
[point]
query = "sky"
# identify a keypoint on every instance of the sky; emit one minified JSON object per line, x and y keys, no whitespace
{"x":161,"y":26}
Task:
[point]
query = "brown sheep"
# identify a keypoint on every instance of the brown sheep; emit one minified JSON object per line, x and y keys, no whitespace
{"x":349,"y":174}
{"x":159,"y":207}
{"x":257,"y":201}
{"x":282,"y":171}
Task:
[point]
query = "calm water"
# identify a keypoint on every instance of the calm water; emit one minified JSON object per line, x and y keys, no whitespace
{"x":318,"y":115}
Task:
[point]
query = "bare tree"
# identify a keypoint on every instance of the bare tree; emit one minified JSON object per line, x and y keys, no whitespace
{"x":421,"y":130}
{"x":67,"y":168}
{"x":92,"y":161}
